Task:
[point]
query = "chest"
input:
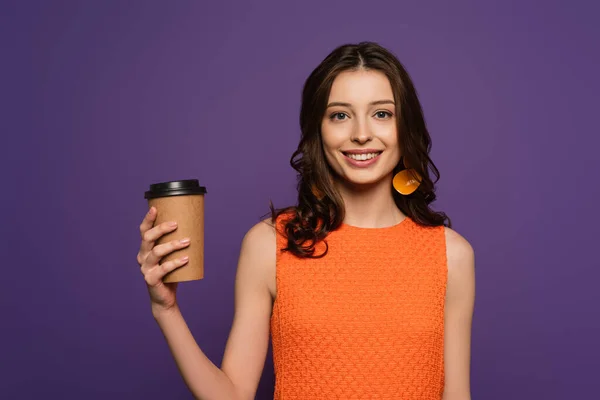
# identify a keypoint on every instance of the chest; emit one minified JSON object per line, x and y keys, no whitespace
{"x":322,"y":299}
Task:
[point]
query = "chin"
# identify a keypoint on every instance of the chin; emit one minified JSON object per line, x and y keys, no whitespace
{"x":363,"y":180}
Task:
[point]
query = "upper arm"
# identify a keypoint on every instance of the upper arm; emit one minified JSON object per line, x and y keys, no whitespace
{"x":247,"y":345}
{"x":460,"y":298}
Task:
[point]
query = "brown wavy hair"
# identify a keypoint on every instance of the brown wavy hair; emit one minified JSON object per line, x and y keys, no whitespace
{"x":320,"y":207}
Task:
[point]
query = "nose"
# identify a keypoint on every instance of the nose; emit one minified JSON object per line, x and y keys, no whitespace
{"x":361,"y":133}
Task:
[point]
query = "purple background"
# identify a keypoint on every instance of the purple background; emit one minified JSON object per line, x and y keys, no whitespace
{"x":100,"y":99}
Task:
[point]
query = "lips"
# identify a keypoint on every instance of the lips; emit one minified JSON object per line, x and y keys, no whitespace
{"x":361,"y":151}
{"x":362,"y":157}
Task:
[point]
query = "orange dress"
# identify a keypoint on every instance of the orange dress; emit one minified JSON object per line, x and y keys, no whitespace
{"x":364,"y":322}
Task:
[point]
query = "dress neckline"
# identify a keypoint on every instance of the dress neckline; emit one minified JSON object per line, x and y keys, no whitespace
{"x":400,"y":224}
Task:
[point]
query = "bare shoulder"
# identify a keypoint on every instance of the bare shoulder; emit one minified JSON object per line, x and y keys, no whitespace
{"x":260,"y":235}
{"x":461,"y":272}
{"x":458,"y":315}
{"x":248,"y":342}
{"x":459,"y":252}
{"x":258,"y":255}
{"x":461,"y":267}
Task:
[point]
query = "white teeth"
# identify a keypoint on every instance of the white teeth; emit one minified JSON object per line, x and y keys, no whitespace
{"x":362,"y":157}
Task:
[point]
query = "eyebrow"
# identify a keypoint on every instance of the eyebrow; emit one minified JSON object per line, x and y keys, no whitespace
{"x":373,"y":103}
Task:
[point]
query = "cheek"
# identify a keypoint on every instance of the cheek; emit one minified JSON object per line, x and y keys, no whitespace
{"x":395,"y":152}
{"x":330,"y":151}
{"x":392,"y":144}
{"x":394,"y":159}
{"x":331,"y":144}
{"x":331,"y":139}
{"x":388,"y":134}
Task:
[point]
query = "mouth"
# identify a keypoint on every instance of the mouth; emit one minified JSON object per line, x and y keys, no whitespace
{"x":362,"y":158}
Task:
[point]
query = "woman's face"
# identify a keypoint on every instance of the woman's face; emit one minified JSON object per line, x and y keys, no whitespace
{"x":359,"y":128}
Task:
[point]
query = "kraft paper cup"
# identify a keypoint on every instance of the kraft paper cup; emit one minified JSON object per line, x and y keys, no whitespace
{"x":181,"y":201}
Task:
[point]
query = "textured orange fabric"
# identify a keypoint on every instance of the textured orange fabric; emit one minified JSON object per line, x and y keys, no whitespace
{"x":364,"y":322}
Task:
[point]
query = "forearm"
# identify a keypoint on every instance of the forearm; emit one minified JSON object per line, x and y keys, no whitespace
{"x":204,"y":379}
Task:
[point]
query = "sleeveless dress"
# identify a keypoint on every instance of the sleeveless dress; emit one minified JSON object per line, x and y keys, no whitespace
{"x":364,"y":322}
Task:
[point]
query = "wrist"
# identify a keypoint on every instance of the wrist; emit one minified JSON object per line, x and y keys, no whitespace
{"x":159,"y":312}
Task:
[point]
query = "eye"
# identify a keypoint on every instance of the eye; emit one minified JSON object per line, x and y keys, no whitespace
{"x":338,"y":116}
{"x":383,"y":114}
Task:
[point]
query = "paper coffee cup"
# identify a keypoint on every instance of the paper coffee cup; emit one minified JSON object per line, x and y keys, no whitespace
{"x":182,"y":202}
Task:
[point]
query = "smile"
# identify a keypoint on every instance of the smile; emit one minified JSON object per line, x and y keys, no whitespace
{"x":362,"y":159}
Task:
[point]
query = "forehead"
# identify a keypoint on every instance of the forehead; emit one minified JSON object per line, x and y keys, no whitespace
{"x":362,"y":86}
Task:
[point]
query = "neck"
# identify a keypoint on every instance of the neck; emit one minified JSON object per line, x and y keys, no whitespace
{"x":370,"y":206}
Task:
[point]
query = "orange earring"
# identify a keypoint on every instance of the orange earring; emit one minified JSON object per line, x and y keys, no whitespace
{"x":316,"y":192}
{"x":406,"y":181}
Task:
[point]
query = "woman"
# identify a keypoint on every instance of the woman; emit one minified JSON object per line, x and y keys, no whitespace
{"x":365,"y":290}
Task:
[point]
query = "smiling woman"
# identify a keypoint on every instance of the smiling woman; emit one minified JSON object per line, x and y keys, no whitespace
{"x":362,"y":125}
{"x":364,"y":290}
{"x":373,"y":293}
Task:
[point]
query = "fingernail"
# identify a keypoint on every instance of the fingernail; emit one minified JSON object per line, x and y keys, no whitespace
{"x":172,"y":223}
{"x":184,"y":241}
{"x":185,"y":258}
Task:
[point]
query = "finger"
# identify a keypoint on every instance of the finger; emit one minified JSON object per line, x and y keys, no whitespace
{"x":152,"y":235}
{"x":155,"y":275}
{"x":162,"y":250}
{"x":148,"y":221}
{"x":140,"y":258}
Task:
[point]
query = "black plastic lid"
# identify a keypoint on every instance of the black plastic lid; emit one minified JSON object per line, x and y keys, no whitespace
{"x":175,"y":188}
